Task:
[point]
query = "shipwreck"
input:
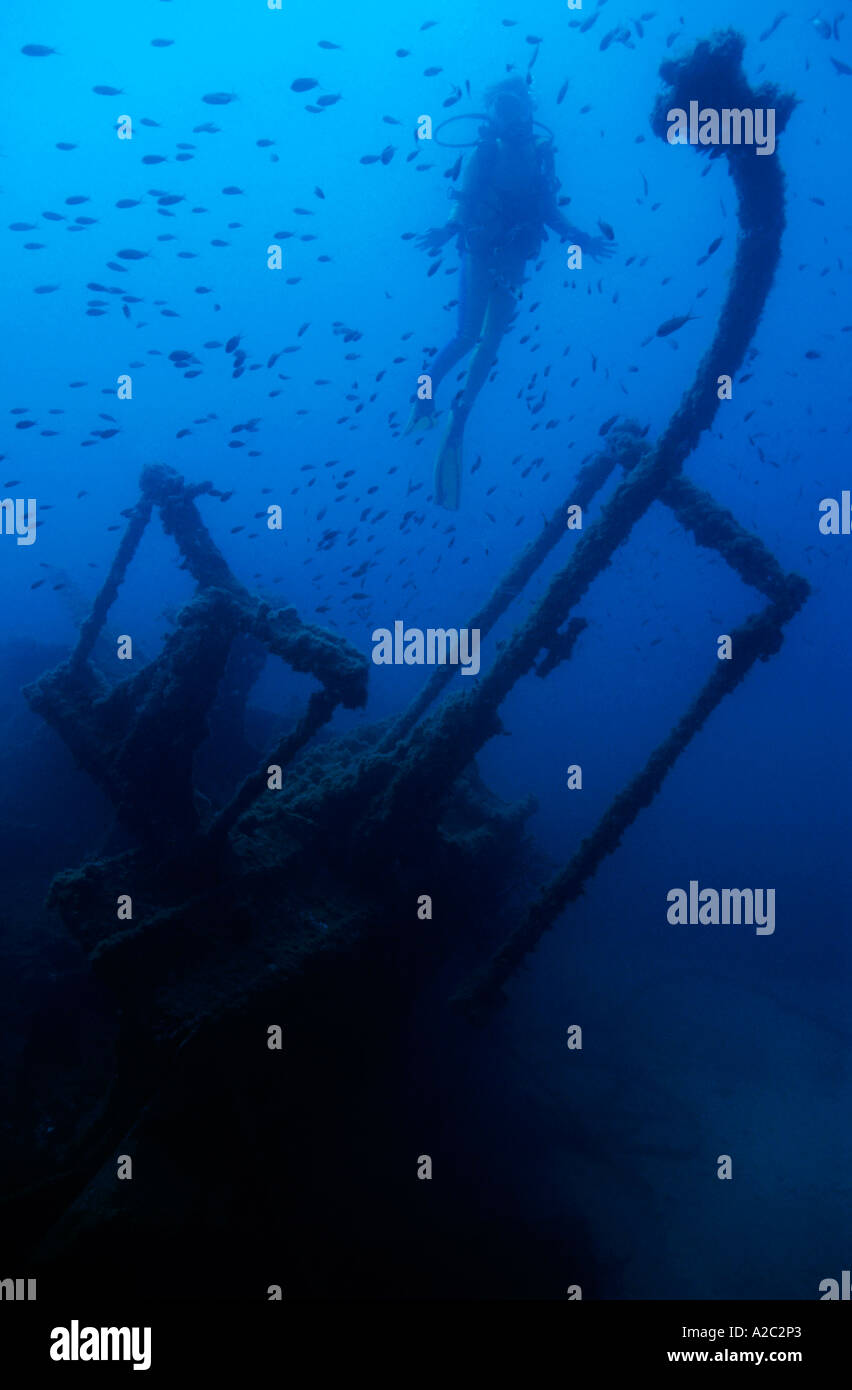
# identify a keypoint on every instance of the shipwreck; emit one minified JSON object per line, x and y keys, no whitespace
{"x":294,"y":906}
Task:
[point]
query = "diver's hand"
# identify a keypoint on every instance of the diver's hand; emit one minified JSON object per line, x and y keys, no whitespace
{"x":435,"y":238}
{"x":599,"y":248}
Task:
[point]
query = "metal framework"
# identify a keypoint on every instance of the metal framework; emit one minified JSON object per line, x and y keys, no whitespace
{"x":138,"y":737}
{"x":288,"y":903}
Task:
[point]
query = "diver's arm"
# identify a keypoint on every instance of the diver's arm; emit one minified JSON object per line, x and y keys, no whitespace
{"x":590,"y":245}
{"x":595,"y":246}
{"x":471,"y":191}
{"x":474,"y":185}
{"x":567,"y":232}
{"x":437,"y":237}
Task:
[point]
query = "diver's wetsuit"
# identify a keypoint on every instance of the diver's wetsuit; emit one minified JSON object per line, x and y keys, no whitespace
{"x":501,"y":215}
{"x":509,"y":195}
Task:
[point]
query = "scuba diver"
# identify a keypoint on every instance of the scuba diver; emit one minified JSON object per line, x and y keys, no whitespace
{"x":508,"y":198}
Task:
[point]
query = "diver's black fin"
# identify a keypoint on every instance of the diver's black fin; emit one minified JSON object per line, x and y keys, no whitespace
{"x":448,"y":468}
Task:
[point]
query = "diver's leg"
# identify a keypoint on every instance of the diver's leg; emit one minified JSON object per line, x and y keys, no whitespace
{"x":474,"y":293}
{"x":473,"y":303}
{"x":502,"y":307}
{"x":500,"y":313}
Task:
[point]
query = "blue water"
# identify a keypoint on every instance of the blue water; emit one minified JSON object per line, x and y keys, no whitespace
{"x":698,"y":1041}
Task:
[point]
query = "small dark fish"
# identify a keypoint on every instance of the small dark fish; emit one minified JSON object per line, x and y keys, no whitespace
{"x":812,"y":354}
{"x":303,"y":84}
{"x":607,"y":425}
{"x":369,"y":159}
{"x":714,"y":246}
{"x":318,"y":192}
{"x":219,"y":98}
{"x":108,"y":91}
{"x":843,"y":68}
{"x":562,"y":90}
{"x":131,"y":254}
{"x":767,"y":33}
{"x":672,"y":325}
{"x":388,"y":154}
{"x":432,"y":72}
{"x":154,"y":158}
{"x":232,"y":189}
{"x":330,"y":99}
{"x":64,"y":145}
{"x":607,"y":230}
{"x":162,"y":43}
{"x":326,"y":43}
{"x":37,"y":50}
